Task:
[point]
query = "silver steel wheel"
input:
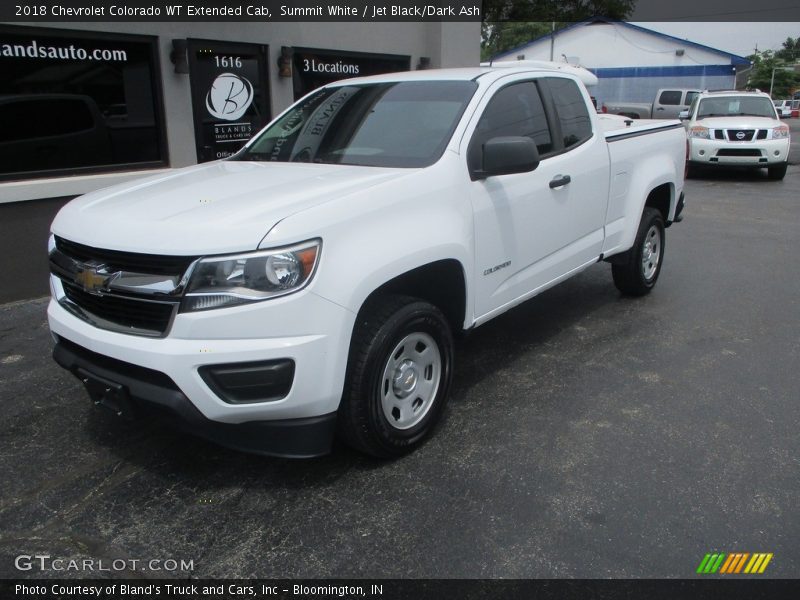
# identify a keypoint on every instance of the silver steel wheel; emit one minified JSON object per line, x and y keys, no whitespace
{"x":651,"y":252}
{"x":410,"y":380}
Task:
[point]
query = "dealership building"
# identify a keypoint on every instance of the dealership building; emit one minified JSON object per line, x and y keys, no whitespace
{"x":87,"y":105}
{"x":632,"y":63}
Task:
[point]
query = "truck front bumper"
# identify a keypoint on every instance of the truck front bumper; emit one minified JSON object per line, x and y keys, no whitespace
{"x":171,"y":375}
{"x":756,"y":153}
{"x":130,"y":391}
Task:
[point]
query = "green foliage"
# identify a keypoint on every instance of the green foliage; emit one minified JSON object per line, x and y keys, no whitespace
{"x":785,"y":80}
{"x":504,"y":35}
{"x":511,"y":23}
{"x":791,"y":50}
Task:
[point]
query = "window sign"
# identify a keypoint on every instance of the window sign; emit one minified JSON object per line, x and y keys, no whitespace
{"x":229,"y":95}
{"x":315,"y":68}
{"x":76,"y":101}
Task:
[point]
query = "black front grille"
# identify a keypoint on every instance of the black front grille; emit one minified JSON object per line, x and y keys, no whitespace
{"x":738,"y":152}
{"x":719,"y":134}
{"x":115,"y":260}
{"x":127,"y":313}
{"x":746,"y":135}
{"x":762,"y":134}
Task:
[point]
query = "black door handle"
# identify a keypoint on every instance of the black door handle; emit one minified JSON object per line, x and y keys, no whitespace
{"x":559,"y":180}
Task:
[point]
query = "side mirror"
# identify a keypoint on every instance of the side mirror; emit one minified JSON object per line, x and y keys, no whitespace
{"x":683,"y":115}
{"x":507,"y":155}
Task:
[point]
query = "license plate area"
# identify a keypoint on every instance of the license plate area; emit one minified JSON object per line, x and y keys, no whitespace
{"x":110,"y":395}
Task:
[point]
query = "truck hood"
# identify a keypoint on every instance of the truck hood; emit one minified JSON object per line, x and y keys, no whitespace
{"x":208,"y":209}
{"x":738,"y":122}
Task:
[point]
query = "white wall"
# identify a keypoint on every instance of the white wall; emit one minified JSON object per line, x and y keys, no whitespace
{"x":604,"y":45}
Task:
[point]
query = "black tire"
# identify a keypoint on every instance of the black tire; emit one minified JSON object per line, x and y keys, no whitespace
{"x":381,"y":326}
{"x":631,"y":275}
{"x":778,"y":172}
{"x":692,"y":171}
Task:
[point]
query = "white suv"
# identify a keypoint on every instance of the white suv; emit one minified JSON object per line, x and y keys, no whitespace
{"x":736,"y":129}
{"x":784,"y":108}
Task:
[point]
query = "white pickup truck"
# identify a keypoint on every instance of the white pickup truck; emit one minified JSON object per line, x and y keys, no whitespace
{"x":312,"y":283}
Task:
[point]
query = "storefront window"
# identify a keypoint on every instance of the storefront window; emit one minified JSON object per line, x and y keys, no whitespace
{"x":315,"y":68}
{"x":75,"y":101}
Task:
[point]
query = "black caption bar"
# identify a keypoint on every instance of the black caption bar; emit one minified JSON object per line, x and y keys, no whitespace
{"x":40,"y":11}
{"x":437,"y":589}
{"x":240,"y":10}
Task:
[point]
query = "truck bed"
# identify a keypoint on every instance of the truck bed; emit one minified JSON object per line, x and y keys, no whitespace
{"x":615,"y":126}
{"x":642,"y":156}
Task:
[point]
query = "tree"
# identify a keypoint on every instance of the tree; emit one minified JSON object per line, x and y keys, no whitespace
{"x":791,"y":50}
{"x":761,"y":75}
{"x":511,"y":23}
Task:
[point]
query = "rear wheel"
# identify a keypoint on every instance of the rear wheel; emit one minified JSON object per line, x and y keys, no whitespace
{"x":398,"y":376}
{"x":777,"y":172}
{"x":637,"y":271}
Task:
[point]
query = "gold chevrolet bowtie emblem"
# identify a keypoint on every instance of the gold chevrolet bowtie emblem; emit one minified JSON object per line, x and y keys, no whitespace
{"x":90,"y":279}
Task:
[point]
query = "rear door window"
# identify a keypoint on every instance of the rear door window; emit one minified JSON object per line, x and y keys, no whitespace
{"x":670,"y":97}
{"x":571,"y":111}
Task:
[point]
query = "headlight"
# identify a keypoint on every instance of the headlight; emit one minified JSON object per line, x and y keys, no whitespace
{"x":780,"y":133}
{"x":222,"y":281}
{"x":698,"y":131}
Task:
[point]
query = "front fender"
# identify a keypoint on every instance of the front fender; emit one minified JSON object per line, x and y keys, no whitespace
{"x":372,"y":237}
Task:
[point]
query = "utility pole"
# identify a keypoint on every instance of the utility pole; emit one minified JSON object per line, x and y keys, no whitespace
{"x":552,"y":39}
{"x":772,"y":79}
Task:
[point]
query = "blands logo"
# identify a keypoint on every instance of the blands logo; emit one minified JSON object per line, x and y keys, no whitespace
{"x":734,"y":563}
{"x":229,"y":97}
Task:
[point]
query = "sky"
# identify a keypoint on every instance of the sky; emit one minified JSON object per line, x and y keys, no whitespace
{"x":737,"y":37}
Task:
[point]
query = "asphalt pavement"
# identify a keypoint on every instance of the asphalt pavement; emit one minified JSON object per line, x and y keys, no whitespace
{"x":589,"y":435}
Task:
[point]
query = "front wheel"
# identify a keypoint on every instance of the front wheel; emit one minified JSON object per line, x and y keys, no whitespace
{"x":637,"y":274}
{"x":398,"y":376}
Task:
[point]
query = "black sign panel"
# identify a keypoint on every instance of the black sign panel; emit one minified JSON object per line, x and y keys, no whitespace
{"x":230,"y":95}
{"x":75,"y":101}
{"x":314,"y":68}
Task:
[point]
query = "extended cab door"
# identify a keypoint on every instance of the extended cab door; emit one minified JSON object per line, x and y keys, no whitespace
{"x":532,"y":229}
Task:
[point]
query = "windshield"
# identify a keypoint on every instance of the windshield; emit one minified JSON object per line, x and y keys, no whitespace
{"x":398,"y":124}
{"x":736,"y":106}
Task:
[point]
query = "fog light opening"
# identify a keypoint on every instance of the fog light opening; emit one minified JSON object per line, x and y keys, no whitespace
{"x":241,"y":383}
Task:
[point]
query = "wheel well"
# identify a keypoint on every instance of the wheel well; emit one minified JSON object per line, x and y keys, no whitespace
{"x":660,"y":198}
{"x":441,"y":283}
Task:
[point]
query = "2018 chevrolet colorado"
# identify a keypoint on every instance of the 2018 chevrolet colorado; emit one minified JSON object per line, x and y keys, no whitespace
{"x":312,"y":283}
